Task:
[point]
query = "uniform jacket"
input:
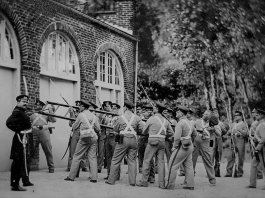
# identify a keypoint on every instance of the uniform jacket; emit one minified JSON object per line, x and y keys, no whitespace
{"x":17,"y":122}
{"x":200,"y":124}
{"x":152,"y":126}
{"x":41,"y":120}
{"x":182,"y":129}
{"x":137,"y":124}
{"x":240,"y":127}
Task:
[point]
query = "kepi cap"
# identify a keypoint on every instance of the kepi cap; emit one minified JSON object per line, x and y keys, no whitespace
{"x":238,"y":113}
{"x":39,"y":102}
{"x":115,"y":104}
{"x":160,"y":105}
{"x":183,"y":109}
{"x":85,"y":103}
{"x":128,"y":104}
{"x":22,"y":96}
{"x":106,"y":103}
{"x":93,"y":105}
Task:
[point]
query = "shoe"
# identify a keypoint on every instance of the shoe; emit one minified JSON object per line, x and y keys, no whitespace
{"x":106,"y":178}
{"x":240,"y":176}
{"x":18,"y":188}
{"x":118,"y":179}
{"x":85,"y":170}
{"x":162,"y":187}
{"x":28,"y":184}
{"x":151,"y":181}
{"x":188,"y":188}
{"x":183,"y":184}
{"x":107,"y":182}
{"x":228,"y":175}
{"x":68,"y":179}
{"x":260,"y":177}
{"x":67,"y":170}
{"x":181,"y":174}
{"x":99,"y":171}
{"x":250,"y":187}
{"x":212,"y":184}
{"x":132,"y":184}
{"x":51,"y":170}
{"x":141,"y":185}
{"x":93,"y":181}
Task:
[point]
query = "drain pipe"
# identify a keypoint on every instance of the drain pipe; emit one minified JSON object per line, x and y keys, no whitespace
{"x":136,"y":76}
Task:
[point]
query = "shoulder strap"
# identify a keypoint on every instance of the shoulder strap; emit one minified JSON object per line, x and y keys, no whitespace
{"x":39,"y":116}
{"x":129,"y":124}
{"x":162,"y":125}
{"x":88,"y":123}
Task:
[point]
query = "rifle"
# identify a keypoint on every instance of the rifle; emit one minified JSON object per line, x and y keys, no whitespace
{"x":250,"y":139}
{"x":233,"y":147}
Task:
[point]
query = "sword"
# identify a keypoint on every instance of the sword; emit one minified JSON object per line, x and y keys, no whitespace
{"x":69,"y":143}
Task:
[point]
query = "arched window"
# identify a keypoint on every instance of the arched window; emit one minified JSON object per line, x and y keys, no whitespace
{"x":58,"y":57}
{"x":109,"y":78}
{"x":8,"y":45}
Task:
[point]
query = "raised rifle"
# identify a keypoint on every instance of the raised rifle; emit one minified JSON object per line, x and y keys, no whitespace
{"x":233,"y":147}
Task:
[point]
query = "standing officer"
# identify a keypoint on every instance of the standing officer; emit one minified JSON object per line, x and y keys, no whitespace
{"x":158,"y":128}
{"x":41,"y":128}
{"x":74,"y":139}
{"x":127,"y":127}
{"x":182,"y":151}
{"x":142,"y":143}
{"x":89,"y":127}
{"x":103,"y":119}
{"x":202,"y":145}
{"x":110,"y":140}
{"x":258,"y":161}
{"x":238,"y":132}
{"x":18,"y":122}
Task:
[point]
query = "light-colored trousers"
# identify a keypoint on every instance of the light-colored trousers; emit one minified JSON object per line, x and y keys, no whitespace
{"x":129,"y":148}
{"x":148,"y":155}
{"x":202,"y":148}
{"x":82,"y":147}
{"x":256,"y":166}
{"x":181,"y":157}
{"x":45,"y":141}
{"x":240,"y":149}
{"x":72,"y":147}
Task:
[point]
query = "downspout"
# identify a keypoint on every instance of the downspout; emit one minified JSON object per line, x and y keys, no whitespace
{"x":136,"y":76}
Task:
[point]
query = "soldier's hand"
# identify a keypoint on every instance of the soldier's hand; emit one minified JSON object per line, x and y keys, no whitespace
{"x":173,"y":149}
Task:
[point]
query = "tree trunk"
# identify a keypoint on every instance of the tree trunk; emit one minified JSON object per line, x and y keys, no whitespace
{"x":213,"y":98}
{"x":206,"y":90}
{"x":229,"y":99}
{"x":246,"y":99}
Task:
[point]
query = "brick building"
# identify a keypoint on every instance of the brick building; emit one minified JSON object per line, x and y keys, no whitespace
{"x":61,"y":40}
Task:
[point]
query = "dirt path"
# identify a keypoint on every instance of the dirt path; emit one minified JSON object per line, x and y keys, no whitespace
{"x":54,"y":186}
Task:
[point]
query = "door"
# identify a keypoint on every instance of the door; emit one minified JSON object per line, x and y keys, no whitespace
{"x":61,"y":133}
{"x":7,"y":104}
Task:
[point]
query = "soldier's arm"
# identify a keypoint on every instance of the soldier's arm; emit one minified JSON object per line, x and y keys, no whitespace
{"x":169,"y":131}
{"x":140,"y":125}
{"x":96,"y":125}
{"x":177,"y":135}
{"x":261,"y":130}
{"x":77,"y":122}
{"x":117,"y":125}
{"x":15,"y":121}
{"x":217,"y":130}
{"x":223,"y":129}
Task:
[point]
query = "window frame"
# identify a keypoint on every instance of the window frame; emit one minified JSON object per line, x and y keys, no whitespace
{"x":47,"y":71}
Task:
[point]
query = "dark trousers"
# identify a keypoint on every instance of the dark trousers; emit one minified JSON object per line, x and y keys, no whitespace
{"x":16,"y":171}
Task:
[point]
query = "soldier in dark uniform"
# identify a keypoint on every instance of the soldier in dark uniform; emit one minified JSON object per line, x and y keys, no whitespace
{"x":103,"y":119}
{"x":18,"y":122}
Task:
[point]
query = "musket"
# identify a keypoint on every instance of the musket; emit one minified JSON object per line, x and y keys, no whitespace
{"x":252,"y":145}
{"x":59,"y":92}
{"x":233,"y":144}
{"x":97,"y":95}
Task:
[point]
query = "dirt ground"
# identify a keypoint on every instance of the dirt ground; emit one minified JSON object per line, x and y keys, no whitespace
{"x":54,"y":186}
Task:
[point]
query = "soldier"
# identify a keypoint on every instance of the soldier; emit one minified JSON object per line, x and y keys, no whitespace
{"x":253,"y":128}
{"x":41,"y":128}
{"x":258,"y":161}
{"x":103,"y":119}
{"x":238,"y":132}
{"x":74,"y":139}
{"x":127,"y":127}
{"x":18,"y":122}
{"x":189,"y":117}
{"x":89,"y":127}
{"x":218,"y":150}
{"x":110,"y":140}
{"x":182,"y":151}
{"x":142,"y":143}
{"x":202,"y":145}
{"x":158,"y":128}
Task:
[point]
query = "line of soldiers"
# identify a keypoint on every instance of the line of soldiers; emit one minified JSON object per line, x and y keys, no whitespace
{"x":151,"y":135}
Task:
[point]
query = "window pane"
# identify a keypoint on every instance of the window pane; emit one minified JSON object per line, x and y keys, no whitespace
{"x":62,"y":55}
{"x":117,"y":80}
{"x":8,"y":48}
{"x":109,"y":69}
{"x":117,"y":95}
{"x":52,"y":51}
{"x":71,"y":62}
{"x":102,"y":67}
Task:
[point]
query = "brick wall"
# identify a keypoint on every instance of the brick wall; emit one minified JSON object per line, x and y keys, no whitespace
{"x":34,"y":20}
